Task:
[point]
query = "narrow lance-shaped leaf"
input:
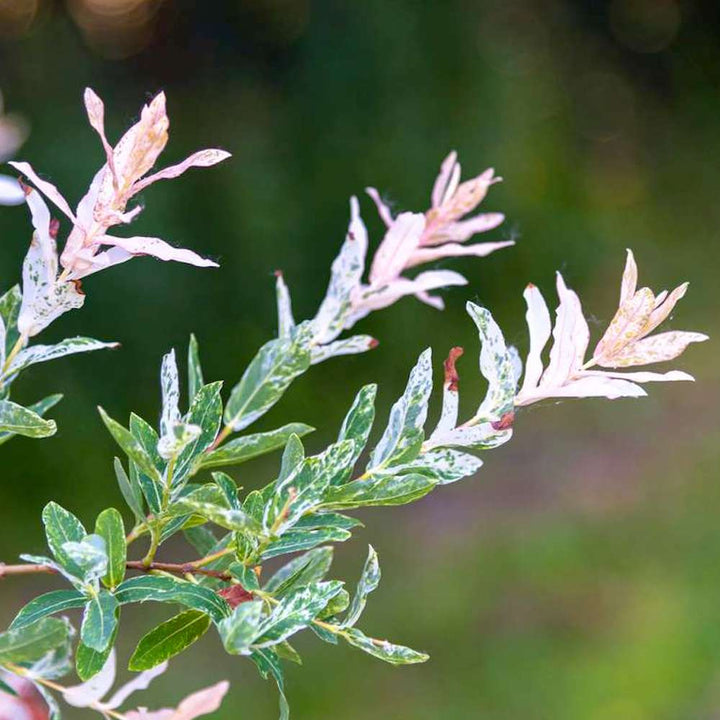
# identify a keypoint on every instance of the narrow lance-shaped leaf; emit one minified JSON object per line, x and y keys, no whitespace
{"x":195,"y":373}
{"x":131,"y":446}
{"x":31,"y":642}
{"x":383,"y":649}
{"x":99,"y":621}
{"x":240,"y":629}
{"x":271,"y":371}
{"x":169,"y":639}
{"x":369,"y":580}
{"x":48,"y":604}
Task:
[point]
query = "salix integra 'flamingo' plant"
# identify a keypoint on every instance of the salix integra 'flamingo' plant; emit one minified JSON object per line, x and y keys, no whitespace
{"x":170,"y":479}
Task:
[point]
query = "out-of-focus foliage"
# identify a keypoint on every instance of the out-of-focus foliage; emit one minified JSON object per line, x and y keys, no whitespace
{"x":580,"y":584}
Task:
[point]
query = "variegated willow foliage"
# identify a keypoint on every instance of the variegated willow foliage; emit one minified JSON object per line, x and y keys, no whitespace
{"x":170,"y":477}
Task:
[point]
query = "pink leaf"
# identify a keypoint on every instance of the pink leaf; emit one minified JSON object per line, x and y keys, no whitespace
{"x":202,"y":158}
{"x":425,"y":255}
{"x":401,"y":240}
{"x":140,"y":245}
{"x":539,"y":328}
{"x":46,"y":188}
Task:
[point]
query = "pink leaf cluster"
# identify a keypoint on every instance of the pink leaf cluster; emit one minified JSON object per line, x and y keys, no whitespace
{"x":414,"y":239}
{"x":625,"y":343}
{"x":89,"y":246}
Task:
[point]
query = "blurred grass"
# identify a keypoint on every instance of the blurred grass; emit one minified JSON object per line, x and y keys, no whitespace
{"x":576,"y":576}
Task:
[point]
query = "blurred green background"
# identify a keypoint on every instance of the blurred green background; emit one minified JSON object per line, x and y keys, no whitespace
{"x":577,"y":576}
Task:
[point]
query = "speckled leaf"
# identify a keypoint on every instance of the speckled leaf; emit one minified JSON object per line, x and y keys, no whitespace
{"x":43,"y":353}
{"x":131,"y":446}
{"x":384,"y":650}
{"x":296,"y":540}
{"x":30,"y":643}
{"x":404,"y":433}
{"x":242,"y":627}
{"x":245,"y":448}
{"x":271,"y":371}
{"x":20,"y":420}
{"x":307,"y":568}
{"x":195,"y":373}
{"x":377,"y":490}
{"x":109,"y":526}
{"x":369,"y":580}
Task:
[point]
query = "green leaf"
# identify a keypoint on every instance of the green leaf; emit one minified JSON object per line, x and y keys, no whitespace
{"x":131,"y":446}
{"x":4,"y":687}
{"x":48,"y":604}
{"x":89,"y":662}
{"x":311,"y":566}
{"x":246,"y":575}
{"x":205,"y":412}
{"x":286,"y":651}
{"x":325,"y":519}
{"x":99,"y":621}
{"x":202,"y":539}
{"x":404,"y":434}
{"x":229,"y":489}
{"x":61,"y":526}
{"x":442,"y":465}
{"x":109,"y":526}
{"x":88,"y":558}
{"x":195,"y":373}
{"x":384,"y":650}
{"x":169,"y":639}
{"x":247,"y":447}
{"x":378,"y":490}
{"x":268,"y":663}
{"x":235,"y":520}
{"x":296,"y":611}
{"x":242,"y":627}
{"x":130,"y":491}
{"x":20,"y":420}
{"x":167,"y":589}
{"x":271,"y":371}
{"x":296,"y":540}
{"x":30,"y":643}
{"x":369,"y":580}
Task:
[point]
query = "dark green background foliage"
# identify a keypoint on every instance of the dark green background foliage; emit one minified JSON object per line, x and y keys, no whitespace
{"x":576,"y":577}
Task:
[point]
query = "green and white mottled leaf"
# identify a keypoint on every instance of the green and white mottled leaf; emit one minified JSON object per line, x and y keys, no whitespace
{"x":349,"y":346}
{"x":151,"y":487}
{"x":48,"y":604}
{"x":245,"y":448}
{"x":285,"y":651}
{"x":268,"y":663}
{"x":167,"y":589}
{"x":99,"y":621}
{"x":404,"y":434}
{"x":496,"y":365}
{"x":40,"y":407}
{"x":307,"y":568}
{"x":345,"y":276}
{"x":325,"y":519}
{"x":20,"y":420}
{"x":383,"y":649}
{"x":369,"y":580}
{"x":9,"y":311}
{"x":89,"y":556}
{"x":235,"y":520}
{"x":297,"y":540}
{"x":246,"y":575}
{"x":206,"y":413}
{"x":378,"y":490}
{"x":32,"y":642}
{"x":169,"y":639}
{"x":109,"y":526}
{"x":242,"y":627}
{"x":295,"y":612}
{"x":306,"y":486}
{"x":202,"y":539}
{"x":89,"y":662}
{"x":270,"y":373}
{"x":443,"y":465}
{"x":357,"y":426}
{"x":43,"y":353}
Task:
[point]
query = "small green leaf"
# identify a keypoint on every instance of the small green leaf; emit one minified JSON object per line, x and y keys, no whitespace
{"x":130,"y":445}
{"x":268,"y":663}
{"x":357,"y":425}
{"x":235,"y":520}
{"x":109,"y":526}
{"x":99,"y":621}
{"x":195,"y":373}
{"x":40,"y":407}
{"x":30,"y":643}
{"x":130,"y":491}
{"x":384,"y":650}
{"x":169,"y":639}
{"x":247,"y":447}
{"x":20,"y":420}
{"x":296,"y":540}
{"x":48,"y":604}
